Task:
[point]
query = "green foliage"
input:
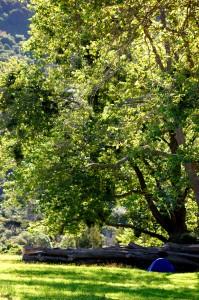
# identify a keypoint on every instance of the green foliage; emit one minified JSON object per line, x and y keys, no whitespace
{"x":26,"y":97}
{"x":33,"y":240}
{"x":90,"y":238}
{"x":126,"y":236}
{"x":107,"y":116}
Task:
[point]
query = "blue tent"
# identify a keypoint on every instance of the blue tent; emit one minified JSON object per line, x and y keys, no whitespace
{"x":161,"y":265}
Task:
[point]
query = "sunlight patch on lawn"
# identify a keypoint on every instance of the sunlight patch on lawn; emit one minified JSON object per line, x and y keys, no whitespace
{"x":52,"y":282}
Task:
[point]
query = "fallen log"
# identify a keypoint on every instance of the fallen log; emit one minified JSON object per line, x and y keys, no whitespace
{"x":185,"y":258}
{"x":192,"y":248}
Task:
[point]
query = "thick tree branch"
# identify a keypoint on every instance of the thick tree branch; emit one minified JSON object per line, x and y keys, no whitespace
{"x":164,"y":140}
{"x":141,"y":230}
{"x":179,"y":213}
{"x":173,"y":144}
{"x":155,"y":51}
{"x":152,"y":172}
{"x":190,"y":167}
{"x":145,"y":150}
{"x":185,"y":194}
{"x":164,"y":221}
{"x":176,"y":169}
{"x":108,"y":74}
{"x":167,"y":44}
{"x":188,"y":51}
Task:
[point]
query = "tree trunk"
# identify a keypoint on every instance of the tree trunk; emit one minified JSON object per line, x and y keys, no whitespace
{"x":190,"y":167}
{"x":185,"y":258}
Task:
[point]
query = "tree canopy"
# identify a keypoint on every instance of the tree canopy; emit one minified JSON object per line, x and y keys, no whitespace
{"x":109,"y":107}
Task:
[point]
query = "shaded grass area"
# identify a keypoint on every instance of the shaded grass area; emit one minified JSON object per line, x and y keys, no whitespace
{"x":41,"y":281}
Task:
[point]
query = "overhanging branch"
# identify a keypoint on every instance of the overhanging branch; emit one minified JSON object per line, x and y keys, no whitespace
{"x":164,"y":221}
{"x":145,"y":150}
{"x":141,"y":230}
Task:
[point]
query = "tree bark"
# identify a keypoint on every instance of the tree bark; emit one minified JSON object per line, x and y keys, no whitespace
{"x":163,"y":220}
{"x":190,"y":167}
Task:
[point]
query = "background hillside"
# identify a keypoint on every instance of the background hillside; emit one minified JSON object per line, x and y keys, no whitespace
{"x":14,"y":23}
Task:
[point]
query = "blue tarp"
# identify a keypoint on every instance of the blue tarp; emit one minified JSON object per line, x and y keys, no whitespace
{"x":161,"y":265}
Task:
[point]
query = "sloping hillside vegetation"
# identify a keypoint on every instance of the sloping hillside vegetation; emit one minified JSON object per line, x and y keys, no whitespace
{"x":14,"y":22}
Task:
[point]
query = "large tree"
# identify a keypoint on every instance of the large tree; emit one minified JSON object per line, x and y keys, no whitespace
{"x":127,"y":132}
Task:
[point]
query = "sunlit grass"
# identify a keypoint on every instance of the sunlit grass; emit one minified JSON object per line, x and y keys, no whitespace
{"x":41,"y":281}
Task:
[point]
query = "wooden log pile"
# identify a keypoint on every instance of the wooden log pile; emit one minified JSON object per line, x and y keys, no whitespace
{"x":185,"y":258}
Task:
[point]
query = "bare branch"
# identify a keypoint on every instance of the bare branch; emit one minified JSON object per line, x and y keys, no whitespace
{"x":137,"y":100}
{"x":109,"y":166}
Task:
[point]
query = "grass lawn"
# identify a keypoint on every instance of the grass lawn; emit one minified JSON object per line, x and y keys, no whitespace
{"x":41,"y":281}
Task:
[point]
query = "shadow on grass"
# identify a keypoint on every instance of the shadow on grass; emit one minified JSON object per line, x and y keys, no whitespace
{"x":60,"y":297}
{"x":88,"y":274}
{"x":96,"y":284}
{"x":58,"y":290}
